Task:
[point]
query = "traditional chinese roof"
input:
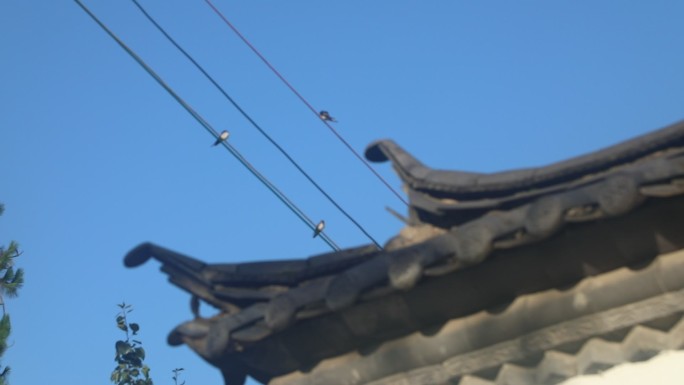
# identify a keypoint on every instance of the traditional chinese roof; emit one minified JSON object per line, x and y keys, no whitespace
{"x":479,"y":265}
{"x":446,"y":198}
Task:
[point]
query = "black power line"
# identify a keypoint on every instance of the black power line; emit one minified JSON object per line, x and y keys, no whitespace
{"x":246,"y":116}
{"x":317,"y":113}
{"x":212,"y":131}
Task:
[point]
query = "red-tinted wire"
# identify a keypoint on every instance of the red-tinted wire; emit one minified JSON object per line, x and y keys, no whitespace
{"x":281,"y":77}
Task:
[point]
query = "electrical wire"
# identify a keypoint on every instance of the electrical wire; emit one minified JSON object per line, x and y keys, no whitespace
{"x":330,"y":127}
{"x":246,"y":116}
{"x":299,"y":213}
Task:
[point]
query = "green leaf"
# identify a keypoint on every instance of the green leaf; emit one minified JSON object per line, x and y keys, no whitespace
{"x":135,"y":327}
{"x":146,"y":371}
{"x":122,"y":347}
{"x":9,"y":275}
{"x":5,"y":373}
{"x":140,"y":352}
{"x":133,"y":360}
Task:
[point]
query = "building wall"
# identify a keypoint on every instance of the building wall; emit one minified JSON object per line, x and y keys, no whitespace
{"x":665,"y":369}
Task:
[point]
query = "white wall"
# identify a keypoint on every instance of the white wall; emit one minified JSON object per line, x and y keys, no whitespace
{"x":665,"y":369}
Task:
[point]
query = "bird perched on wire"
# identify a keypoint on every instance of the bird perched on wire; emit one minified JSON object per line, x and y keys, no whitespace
{"x":319,"y":228}
{"x":222,"y":137}
{"x":324,"y":115}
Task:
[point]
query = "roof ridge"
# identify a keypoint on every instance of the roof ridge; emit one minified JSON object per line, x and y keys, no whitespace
{"x":420,"y":177}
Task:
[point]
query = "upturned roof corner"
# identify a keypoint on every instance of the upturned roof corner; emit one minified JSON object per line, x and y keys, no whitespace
{"x":486,"y":261}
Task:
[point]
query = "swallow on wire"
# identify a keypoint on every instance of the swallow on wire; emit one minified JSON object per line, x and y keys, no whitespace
{"x":319,"y":228}
{"x":324,"y":115}
{"x":222,"y":137}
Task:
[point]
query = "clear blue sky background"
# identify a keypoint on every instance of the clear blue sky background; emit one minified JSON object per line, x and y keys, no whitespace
{"x":95,"y":157}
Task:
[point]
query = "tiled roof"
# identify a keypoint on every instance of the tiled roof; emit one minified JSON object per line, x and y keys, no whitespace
{"x":593,"y":214}
{"x":538,"y":338}
{"x":447,"y":198}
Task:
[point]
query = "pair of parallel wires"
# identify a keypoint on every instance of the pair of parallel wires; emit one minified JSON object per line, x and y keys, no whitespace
{"x":281,"y":196}
{"x":303,"y":100}
{"x":251,"y":121}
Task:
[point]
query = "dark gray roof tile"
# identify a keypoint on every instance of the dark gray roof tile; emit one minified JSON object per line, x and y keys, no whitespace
{"x":484,"y":238}
{"x":466,"y":184}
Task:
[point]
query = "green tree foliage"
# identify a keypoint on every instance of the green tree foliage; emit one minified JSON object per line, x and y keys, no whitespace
{"x":176,"y":374}
{"x":130,"y":369}
{"x":11,"y":281}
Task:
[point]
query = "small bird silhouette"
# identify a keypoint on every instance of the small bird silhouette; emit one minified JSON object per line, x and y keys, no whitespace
{"x":324,"y":115}
{"x":195,"y":306}
{"x":319,"y":228}
{"x":224,"y":135}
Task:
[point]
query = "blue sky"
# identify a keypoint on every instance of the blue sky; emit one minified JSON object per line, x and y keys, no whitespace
{"x":97,"y":158}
